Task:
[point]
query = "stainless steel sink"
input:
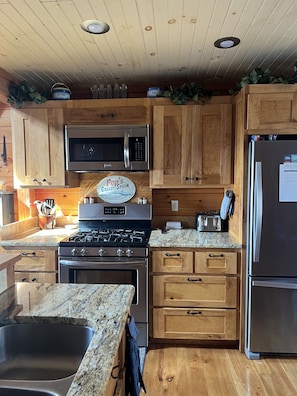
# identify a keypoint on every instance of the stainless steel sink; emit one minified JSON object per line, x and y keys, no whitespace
{"x":43,"y":356}
{"x":4,"y":391}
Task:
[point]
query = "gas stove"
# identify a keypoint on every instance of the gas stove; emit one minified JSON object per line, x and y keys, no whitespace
{"x":110,"y":230}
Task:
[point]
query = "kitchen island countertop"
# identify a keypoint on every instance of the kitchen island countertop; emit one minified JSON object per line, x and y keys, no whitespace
{"x":191,"y":238}
{"x":103,"y":307}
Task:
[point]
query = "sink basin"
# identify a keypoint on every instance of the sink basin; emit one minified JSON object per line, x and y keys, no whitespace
{"x":39,"y":351}
{"x":4,"y":391}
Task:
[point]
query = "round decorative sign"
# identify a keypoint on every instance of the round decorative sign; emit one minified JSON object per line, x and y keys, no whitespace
{"x":116,"y":189}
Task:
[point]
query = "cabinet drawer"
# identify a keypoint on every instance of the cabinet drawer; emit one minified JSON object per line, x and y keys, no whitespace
{"x":36,"y":260}
{"x":187,"y":323}
{"x":193,"y":291}
{"x":216,"y":262}
{"x":172,"y":261}
{"x":38,"y":277}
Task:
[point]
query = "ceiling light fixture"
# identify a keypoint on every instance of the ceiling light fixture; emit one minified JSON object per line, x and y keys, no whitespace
{"x":226,"y":42}
{"x":95,"y":26}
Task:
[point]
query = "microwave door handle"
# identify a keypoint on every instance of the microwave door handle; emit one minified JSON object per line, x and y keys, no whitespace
{"x":126,"y":150}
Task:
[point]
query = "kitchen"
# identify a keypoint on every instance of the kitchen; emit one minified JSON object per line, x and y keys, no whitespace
{"x":209,"y":197}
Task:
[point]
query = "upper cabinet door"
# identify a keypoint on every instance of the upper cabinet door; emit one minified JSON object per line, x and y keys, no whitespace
{"x":192,"y":145}
{"x":272,"y":111}
{"x":38,"y":148}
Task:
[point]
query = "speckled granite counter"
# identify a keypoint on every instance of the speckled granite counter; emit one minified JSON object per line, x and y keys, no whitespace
{"x":43,"y":238}
{"x":191,"y":238}
{"x":102,"y":307}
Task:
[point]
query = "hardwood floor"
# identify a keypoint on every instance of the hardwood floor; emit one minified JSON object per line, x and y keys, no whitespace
{"x":191,"y":371}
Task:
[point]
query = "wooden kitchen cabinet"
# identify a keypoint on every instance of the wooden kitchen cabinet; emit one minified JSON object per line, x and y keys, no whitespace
{"x":36,"y":265}
{"x":272,"y":111}
{"x":192,"y":145}
{"x":200,"y":303}
{"x":38,"y":149}
{"x":105,"y":112}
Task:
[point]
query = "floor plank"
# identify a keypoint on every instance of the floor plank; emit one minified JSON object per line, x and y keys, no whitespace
{"x":172,"y":370}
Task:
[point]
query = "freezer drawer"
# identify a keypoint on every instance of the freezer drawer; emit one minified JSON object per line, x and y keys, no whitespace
{"x":272,"y":315}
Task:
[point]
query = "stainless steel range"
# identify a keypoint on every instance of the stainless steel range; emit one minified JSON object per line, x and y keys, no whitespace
{"x":111,"y":246}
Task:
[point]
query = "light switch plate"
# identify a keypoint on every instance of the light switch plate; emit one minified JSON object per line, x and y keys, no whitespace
{"x":174,"y":205}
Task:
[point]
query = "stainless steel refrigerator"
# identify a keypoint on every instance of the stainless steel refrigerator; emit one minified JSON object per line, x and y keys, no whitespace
{"x":271,"y":304}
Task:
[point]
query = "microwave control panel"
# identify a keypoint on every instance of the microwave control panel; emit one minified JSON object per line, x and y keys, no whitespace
{"x":137,"y":148}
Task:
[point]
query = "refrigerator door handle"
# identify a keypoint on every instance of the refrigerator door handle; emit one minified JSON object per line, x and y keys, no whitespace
{"x":275,"y":284}
{"x":258,"y":211}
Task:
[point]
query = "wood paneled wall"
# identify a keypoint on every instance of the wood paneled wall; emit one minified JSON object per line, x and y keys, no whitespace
{"x":190,"y":201}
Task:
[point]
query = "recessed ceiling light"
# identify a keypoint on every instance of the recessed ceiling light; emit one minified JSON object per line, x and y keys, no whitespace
{"x":227,"y":42}
{"x":95,"y":26}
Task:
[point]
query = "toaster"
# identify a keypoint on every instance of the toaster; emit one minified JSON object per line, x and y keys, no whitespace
{"x":211,"y":222}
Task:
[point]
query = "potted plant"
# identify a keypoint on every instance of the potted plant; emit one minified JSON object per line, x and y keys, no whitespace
{"x":24,"y":91}
{"x":186,"y":92}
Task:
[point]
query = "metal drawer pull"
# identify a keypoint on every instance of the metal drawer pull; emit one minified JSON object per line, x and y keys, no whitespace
{"x":24,"y":280}
{"x":28,"y":254}
{"x":194,"y":280}
{"x":192,"y":178}
{"x":215,"y":255}
{"x":114,"y":368}
{"x":172,"y":254}
{"x":194,"y":313}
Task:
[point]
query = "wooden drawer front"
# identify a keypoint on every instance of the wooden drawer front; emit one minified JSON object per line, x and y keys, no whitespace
{"x":193,"y":291}
{"x":187,"y":323}
{"x":38,"y":277}
{"x":36,"y":260}
{"x":216,"y":262}
{"x":172,"y":261}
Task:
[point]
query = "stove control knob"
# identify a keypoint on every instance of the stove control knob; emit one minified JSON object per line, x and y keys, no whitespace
{"x":74,"y":252}
{"x":129,"y":252}
{"x":120,"y":252}
{"x":83,"y":252}
{"x":101,"y":252}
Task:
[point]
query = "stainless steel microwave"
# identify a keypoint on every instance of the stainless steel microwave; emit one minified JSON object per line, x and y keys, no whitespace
{"x":91,"y":148}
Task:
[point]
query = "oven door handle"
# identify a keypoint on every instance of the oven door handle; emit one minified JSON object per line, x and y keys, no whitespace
{"x":106,"y":264}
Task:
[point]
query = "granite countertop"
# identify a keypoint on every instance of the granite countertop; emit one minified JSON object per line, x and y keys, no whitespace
{"x":102,"y":307}
{"x":43,"y":238}
{"x":192,"y":238}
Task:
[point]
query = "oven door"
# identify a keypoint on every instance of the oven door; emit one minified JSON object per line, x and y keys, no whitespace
{"x":110,"y":271}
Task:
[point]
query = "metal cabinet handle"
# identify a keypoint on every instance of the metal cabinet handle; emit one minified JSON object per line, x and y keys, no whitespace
{"x":194,"y":313}
{"x":23,"y":279}
{"x":191,"y":178}
{"x":28,"y":254}
{"x":215,"y":255}
{"x":194,"y":279}
{"x":34,"y":280}
{"x":117,"y":367}
{"x":172,"y":254}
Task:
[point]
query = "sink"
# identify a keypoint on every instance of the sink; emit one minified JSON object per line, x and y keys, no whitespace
{"x":4,"y":391}
{"x":39,"y":351}
{"x":41,"y":357}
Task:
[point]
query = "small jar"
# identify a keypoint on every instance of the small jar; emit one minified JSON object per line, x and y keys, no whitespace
{"x":91,"y":200}
{"x":86,"y":200}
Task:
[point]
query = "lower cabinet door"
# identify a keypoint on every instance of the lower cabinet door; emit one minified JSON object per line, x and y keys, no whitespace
{"x":195,"y":323}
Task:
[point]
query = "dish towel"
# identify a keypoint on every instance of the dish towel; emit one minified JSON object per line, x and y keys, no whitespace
{"x":134,"y":381}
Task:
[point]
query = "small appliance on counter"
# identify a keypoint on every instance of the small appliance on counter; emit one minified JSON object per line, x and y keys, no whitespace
{"x":211,"y":221}
{"x":217,"y":220}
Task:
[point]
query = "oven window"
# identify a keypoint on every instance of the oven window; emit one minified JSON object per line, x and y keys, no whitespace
{"x":95,"y":149}
{"x":127,"y":277}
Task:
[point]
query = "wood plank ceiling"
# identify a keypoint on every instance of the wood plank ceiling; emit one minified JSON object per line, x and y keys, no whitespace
{"x":149,"y":42}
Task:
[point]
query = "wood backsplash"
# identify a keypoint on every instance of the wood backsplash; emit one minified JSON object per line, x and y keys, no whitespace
{"x":190,"y":201}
